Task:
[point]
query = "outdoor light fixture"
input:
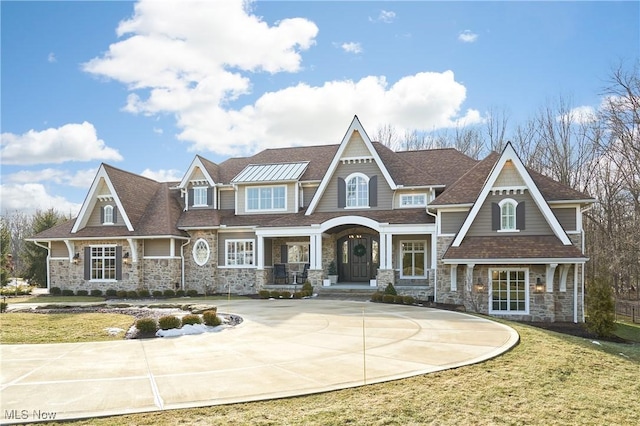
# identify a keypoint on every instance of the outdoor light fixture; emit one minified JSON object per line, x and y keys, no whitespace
{"x":76,"y":258}
{"x":539,"y":285}
{"x":125,"y":258}
{"x":479,"y":285}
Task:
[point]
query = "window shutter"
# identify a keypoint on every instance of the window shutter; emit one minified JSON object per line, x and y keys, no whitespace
{"x":342,"y":193}
{"x":101,"y":215}
{"x":209,"y":196}
{"x":191,"y":197}
{"x":495,"y":216}
{"x":284,"y":253}
{"x":373,"y":191}
{"x":115,"y":214}
{"x":87,"y":263}
{"x":119,"y":263}
{"x":520,"y":216}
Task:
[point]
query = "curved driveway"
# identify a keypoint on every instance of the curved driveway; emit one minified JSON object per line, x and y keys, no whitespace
{"x":283,"y":348}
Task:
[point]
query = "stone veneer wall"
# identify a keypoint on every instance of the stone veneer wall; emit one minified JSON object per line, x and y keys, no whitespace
{"x":157,"y":274}
{"x":203,"y":278}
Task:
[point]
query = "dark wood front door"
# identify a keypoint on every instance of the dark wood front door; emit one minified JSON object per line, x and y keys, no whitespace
{"x":358,"y":256}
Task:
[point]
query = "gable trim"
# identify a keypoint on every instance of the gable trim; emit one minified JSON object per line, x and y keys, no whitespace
{"x":510,"y":154}
{"x":353,"y":127}
{"x":195,"y":163}
{"x":90,"y":202}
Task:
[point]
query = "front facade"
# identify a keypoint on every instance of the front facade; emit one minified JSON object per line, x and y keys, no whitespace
{"x":440,"y":226}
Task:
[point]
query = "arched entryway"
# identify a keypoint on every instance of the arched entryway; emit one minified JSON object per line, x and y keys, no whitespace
{"x":358,"y":257}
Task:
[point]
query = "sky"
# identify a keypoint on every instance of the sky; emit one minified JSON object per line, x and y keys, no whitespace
{"x":145,"y":86}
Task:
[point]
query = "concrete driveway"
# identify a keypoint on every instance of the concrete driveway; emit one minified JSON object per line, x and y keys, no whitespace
{"x":283,"y":348}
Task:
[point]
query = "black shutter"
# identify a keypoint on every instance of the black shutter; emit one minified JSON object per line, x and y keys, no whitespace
{"x":191,"y":197}
{"x":520,"y":216}
{"x":373,"y":191}
{"x":209,"y":196}
{"x":495,"y":216}
{"x":119,"y":263}
{"x":87,"y":263}
{"x":284,"y":253}
{"x":101,"y":215}
{"x":342,"y":193}
{"x":115,"y":214}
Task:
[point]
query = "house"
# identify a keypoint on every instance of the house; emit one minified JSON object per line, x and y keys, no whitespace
{"x":492,"y":235}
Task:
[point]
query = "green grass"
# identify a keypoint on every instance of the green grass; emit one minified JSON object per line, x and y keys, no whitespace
{"x":628,"y":331}
{"x":46,"y":299}
{"x":61,"y":328}
{"x":548,"y":379}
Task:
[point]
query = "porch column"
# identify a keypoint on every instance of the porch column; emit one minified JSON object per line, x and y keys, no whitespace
{"x":551,"y":270}
{"x":386,"y":250}
{"x":454,"y":277}
{"x":315,"y":251}
{"x":564,"y":273}
{"x":469,"y":278}
{"x":260,"y":252}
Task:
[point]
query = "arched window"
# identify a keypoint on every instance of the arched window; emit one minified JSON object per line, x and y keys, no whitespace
{"x":108,"y":215}
{"x":201,"y":252}
{"x":357,"y":190}
{"x":508,"y":214}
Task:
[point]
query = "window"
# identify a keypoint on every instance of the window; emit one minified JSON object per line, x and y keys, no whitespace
{"x":107,"y":215}
{"x":266,"y":198}
{"x":357,"y":190}
{"x":414,"y":258}
{"x":509,"y":292}
{"x":200,"y":196}
{"x":297,"y":253}
{"x":508,"y":215}
{"x":201,"y":252}
{"x":413,"y":200}
{"x":239,"y":253}
{"x":103,"y":263}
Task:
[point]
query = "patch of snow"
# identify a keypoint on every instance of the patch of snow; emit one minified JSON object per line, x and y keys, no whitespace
{"x":189,"y":329}
{"x":113,"y":331}
{"x":626,"y":356}
{"x":596,"y":343}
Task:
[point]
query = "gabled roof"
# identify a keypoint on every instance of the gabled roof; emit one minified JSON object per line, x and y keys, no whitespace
{"x":355,"y":126}
{"x":445,"y":164}
{"x":209,"y":169}
{"x":508,"y":154}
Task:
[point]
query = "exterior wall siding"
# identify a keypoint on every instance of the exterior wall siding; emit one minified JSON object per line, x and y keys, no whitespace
{"x":509,"y":176}
{"x":567,"y":217}
{"x":157,"y":247}
{"x":451,"y":222}
{"x":227,"y":200}
{"x":356,"y":147}
{"x":94,"y":218}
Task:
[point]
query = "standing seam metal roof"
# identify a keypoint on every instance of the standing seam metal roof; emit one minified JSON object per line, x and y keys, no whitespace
{"x":271,"y":172}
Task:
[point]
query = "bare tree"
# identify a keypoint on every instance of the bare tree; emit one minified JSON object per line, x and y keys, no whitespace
{"x":496,"y":125}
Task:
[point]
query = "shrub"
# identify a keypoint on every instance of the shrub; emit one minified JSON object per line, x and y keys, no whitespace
{"x":211,"y":318}
{"x":275,"y":294}
{"x":147,"y":325}
{"x":408,"y":300}
{"x":264,"y":294}
{"x":169,"y":321}
{"x":132,"y":294}
{"x":156,"y":293}
{"x":82,"y":293}
{"x":169,"y":293}
{"x":398,"y":299}
{"x":67,"y":292}
{"x":297,"y":295}
{"x":121,"y":294}
{"x":376,"y":297}
{"x":192,"y":293}
{"x":601,"y":308}
{"x":55,"y":291}
{"x":191,"y":319}
{"x":3,"y":306}
{"x":388,"y":298}
{"x":390,"y":289}
{"x":144,"y":293}
{"x":96,"y":293}
{"x":111,"y":292}
{"x":180,"y":293}
{"x":307,"y":289}
{"x":285,"y":294}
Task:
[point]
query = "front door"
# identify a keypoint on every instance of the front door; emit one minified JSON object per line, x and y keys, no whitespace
{"x":358,"y":257}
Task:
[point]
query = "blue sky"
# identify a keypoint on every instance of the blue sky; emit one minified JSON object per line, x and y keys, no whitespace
{"x":145,"y":86}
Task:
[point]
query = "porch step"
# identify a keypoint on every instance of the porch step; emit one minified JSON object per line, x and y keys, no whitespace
{"x":346,"y":292}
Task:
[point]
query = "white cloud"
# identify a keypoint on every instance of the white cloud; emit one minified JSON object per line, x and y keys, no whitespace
{"x":33,"y":196}
{"x":158,"y":130}
{"x":467,"y":36}
{"x":79,"y":179}
{"x":71,"y":142}
{"x":162,"y":175}
{"x":51,"y":57}
{"x":197,"y":83}
{"x":385,"y":16}
{"x":351,"y":47}
{"x":580,"y":115}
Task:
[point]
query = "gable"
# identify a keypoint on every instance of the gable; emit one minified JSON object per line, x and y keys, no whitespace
{"x":507,"y":159}
{"x":508,"y":177}
{"x":198,"y":173}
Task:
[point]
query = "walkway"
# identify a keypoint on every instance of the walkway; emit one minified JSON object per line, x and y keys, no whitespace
{"x":283,"y":348}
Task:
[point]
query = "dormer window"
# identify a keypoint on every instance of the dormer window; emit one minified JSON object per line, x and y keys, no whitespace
{"x":200,"y":196}
{"x":357,"y":190}
{"x":108,"y":214}
{"x":266,"y":198}
{"x":413,"y":200}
